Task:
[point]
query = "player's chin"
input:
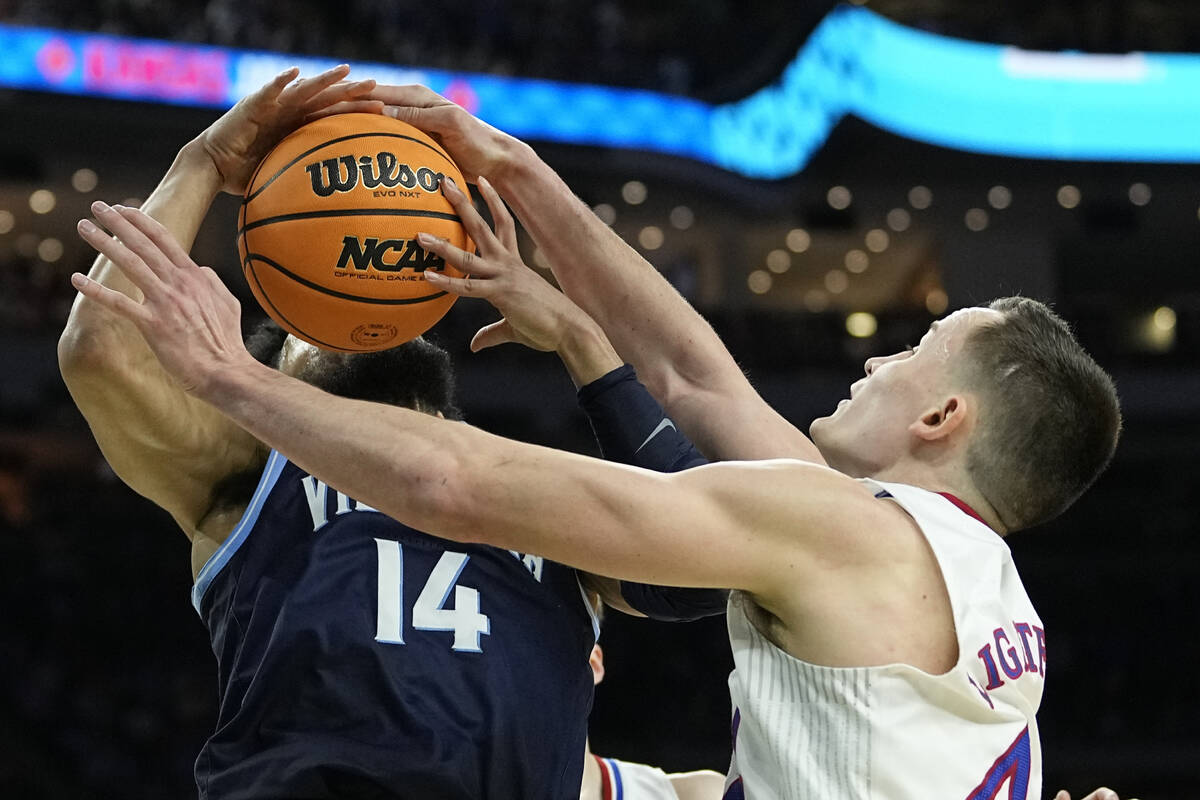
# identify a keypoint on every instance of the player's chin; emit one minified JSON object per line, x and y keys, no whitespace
{"x":818,"y":429}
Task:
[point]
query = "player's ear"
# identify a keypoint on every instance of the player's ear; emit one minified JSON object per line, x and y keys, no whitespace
{"x":940,"y":421}
{"x":596,"y":660}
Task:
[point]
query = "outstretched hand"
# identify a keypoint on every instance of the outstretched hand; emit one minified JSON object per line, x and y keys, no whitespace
{"x":476,"y":147}
{"x":188,"y":317}
{"x":536,"y":314}
{"x":243,"y":136}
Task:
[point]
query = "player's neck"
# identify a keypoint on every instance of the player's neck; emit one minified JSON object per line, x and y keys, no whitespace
{"x":947,"y":481}
{"x":592,"y":784}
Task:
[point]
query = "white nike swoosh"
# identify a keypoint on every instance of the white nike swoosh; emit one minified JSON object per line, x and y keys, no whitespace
{"x":666,"y":423}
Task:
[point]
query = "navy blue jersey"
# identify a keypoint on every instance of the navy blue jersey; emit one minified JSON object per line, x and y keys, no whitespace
{"x":632,"y":428}
{"x":359,"y":658}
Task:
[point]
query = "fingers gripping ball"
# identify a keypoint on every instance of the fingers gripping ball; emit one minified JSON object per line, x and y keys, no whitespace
{"x":327,"y":232}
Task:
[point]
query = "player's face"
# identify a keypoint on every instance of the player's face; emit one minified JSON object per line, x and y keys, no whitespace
{"x":870,"y":430}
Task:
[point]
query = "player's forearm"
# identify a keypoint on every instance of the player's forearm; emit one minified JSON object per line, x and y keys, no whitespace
{"x":648,"y":322}
{"x":180,"y":202}
{"x":457,"y":482}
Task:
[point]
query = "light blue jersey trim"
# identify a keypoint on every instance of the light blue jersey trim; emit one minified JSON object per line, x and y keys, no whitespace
{"x":217,"y":561}
{"x":590,"y":609}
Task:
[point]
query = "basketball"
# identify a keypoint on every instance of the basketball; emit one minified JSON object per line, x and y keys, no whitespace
{"x":327,"y":232}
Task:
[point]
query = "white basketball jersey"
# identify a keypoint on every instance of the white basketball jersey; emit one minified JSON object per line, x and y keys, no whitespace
{"x":624,"y":780}
{"x":807,"y":732}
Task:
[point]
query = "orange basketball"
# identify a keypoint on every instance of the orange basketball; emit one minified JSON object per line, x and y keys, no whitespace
{"x":328,"y":226}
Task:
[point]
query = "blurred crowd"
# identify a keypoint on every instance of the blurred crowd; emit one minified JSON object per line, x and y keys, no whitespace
{"x":679,"y":47}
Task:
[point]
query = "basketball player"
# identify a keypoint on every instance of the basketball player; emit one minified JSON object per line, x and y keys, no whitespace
{"x":883,"y":643}
{"x":344,"y":667}
{"x":1013,"y":464}
{"x":612,"y":403}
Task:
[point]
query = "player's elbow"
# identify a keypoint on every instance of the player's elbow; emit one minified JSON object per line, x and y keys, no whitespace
{"x":79,"y":352}
{"x":94,"y":348}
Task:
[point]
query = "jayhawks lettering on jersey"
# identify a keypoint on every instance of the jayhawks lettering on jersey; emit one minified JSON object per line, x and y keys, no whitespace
{"x":358,"y":657}
{"x":895,"y":732}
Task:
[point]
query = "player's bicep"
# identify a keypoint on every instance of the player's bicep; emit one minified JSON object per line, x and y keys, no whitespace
{"x":776,"y":529}
{"x":163,"y":443}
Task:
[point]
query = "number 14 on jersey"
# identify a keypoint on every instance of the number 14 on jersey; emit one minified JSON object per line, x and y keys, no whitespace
{"x":429,"y":613}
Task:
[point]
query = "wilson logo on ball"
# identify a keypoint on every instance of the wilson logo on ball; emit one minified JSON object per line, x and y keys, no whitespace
{"x":370,"y":253}
{"x":343,"y":174}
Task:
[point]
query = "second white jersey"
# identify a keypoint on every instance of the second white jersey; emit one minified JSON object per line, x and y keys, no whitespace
{"x":894,"y":732}
{"x":625,"y":780}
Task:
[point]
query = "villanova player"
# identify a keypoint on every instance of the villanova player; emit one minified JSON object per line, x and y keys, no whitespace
{"x":883,"y":642}
{"x":357,"y":657}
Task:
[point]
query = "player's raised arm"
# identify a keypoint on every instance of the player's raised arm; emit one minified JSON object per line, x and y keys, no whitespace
{"x":158,"y":439}
{"x":678,"y":354}
{"x":165,"y":444}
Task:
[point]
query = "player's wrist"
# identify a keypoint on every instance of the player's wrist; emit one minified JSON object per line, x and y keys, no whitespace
{"x":237,"y":385}
{"x":514,"y":165}
{"x":196,"y":164}
{"x":587,"y":353}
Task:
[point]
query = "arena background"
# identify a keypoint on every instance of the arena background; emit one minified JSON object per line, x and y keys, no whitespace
{"x":109,"y":684}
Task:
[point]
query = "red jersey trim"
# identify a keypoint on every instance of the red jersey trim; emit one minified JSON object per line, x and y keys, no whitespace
{"x":606,"y":788}
{"x":963,"y":507}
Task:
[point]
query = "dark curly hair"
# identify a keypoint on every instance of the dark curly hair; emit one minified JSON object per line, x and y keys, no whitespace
{"x":417,"y":374}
